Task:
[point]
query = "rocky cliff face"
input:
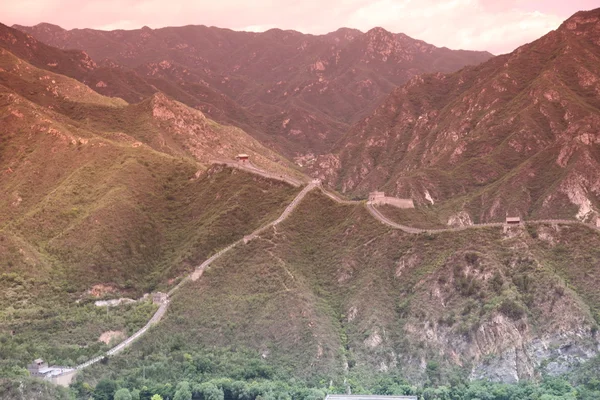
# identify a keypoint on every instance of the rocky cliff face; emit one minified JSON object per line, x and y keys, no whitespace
{"x":542,"y":327}
{"x":515,"y":135}
{"x":296,"y":92}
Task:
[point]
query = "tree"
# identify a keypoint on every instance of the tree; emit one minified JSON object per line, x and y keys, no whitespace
{"x":123,"y":394}
{"x":156,"y":397}
{"x":211,"y":392}
{"x":105,"y":389}
{"x":183,"y":391}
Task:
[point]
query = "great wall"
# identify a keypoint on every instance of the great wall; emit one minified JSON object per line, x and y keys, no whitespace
{"x":68,"y":374}
{"x":66,"y":377}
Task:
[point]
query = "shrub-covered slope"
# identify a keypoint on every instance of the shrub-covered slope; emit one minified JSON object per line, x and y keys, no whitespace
{"x":332,"y":294}
{"x":104,"y":199}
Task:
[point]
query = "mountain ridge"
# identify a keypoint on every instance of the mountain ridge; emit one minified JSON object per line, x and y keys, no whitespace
{"x":108,"y":198}
{"x":468,"y":137}
{"x":296,"y":93}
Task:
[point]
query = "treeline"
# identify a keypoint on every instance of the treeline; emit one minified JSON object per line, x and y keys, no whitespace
{"x":228,"y":374}
{"x":215,"y":389}
{"x":228,"y":389}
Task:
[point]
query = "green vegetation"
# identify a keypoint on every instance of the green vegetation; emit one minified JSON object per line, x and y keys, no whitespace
{"x":64,"y":334}
{"x":331,"y":287}
{"x":134,"y":240}
{"x":231,"y":389}
{"x":28,"y":388}
{"x":107,"y":200}
{"x":422,"y":217}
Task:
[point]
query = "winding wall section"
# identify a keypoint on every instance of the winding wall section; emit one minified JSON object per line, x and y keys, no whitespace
{"x":294,"y":182}
{"x":196,"y":274}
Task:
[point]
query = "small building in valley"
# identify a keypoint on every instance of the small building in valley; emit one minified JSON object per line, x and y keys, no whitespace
{"x":242,"y":158}
{"x":513,"y":220}
{"x":367,"y":397}
{"x":55,"y":374}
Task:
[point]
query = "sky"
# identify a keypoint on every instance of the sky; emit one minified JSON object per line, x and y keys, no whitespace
{"x":498,"y":26}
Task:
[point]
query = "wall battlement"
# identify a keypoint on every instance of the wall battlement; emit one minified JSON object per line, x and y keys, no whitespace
{"x":379,"y":198}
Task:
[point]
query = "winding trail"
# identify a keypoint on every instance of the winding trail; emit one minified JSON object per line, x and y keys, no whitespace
{"x":249,"y":167}
{"x":409,"y":229}
{"x":197,"y":273}
{"x":336,"y":198}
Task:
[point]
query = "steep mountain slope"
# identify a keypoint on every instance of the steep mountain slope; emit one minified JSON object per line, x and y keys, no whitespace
{"x":124,"y":83}
{"x":102,"y":198}
{"x":113,"y":80}
{"x":159,"y":122}
{"x":333,"y":295}
{"x":516,"y":135}
{"x":68,"y":151}
{"x":297,"y":92}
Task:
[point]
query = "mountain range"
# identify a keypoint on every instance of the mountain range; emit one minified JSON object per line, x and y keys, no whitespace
{"x":458,"y":142}
{"x":111,"y":160}
{"x":515,"y":135}
{"x":297,"y":93}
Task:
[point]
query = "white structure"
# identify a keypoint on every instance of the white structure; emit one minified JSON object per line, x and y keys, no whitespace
{"x":379,"y":198}
{"x":57,"y":375}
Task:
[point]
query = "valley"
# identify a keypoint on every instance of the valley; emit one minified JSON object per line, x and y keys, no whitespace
{"x":231,"y":171}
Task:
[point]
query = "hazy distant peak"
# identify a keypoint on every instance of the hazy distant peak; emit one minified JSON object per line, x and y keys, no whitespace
{"x":583,"y":21}
{"x":44,"y":27}
{"x":346,"y":31}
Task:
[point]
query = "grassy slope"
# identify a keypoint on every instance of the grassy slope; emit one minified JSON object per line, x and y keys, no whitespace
{"x":85,"y":205}
{"x":333,"y":287}
{"x":131,"y":248}
{"x":423,"y":217}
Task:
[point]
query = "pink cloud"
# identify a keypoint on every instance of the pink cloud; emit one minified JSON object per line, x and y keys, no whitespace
{"x":497,"y":26}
